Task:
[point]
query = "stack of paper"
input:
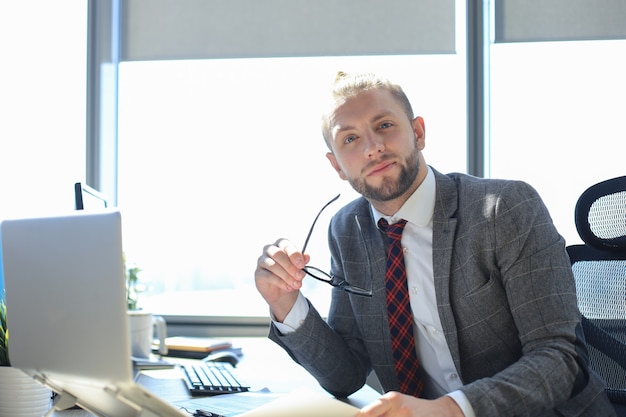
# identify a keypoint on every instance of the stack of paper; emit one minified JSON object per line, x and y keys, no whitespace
{"x":304,"y":403}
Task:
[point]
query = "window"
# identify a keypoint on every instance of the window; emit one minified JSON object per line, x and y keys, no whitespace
{"x":555,"y":107}
{"x":556,"y":111}
{"x":219,"y":157}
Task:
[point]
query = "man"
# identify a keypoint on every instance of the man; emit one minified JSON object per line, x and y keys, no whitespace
{"x":495,"y":324}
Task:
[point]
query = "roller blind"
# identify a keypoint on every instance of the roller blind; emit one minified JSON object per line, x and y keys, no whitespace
{"x":192,"y":29}
{"x":556,"y":20}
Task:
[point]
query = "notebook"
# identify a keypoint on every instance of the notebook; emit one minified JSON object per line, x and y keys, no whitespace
{"x":66,"y":305}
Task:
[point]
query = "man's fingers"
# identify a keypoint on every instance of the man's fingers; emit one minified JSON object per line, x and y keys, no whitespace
{"x":293,"y":252}
{"x":280,"y":260}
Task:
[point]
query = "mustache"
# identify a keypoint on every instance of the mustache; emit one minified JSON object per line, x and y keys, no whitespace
{"x":372,"y":164}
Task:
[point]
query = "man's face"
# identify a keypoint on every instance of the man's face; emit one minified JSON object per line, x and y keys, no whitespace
{"x":376,"y":148}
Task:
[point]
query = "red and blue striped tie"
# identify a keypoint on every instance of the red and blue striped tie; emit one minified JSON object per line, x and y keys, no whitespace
{"x":399,"y":312}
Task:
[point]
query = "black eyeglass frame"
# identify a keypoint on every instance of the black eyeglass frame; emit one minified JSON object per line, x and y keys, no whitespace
{"x":323,"y":276}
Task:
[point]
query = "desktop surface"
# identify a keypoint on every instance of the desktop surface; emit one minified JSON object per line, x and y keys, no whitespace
{"x":264,"y":366}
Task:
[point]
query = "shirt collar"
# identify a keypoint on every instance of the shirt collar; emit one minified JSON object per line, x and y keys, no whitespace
{"x":420,"y":206}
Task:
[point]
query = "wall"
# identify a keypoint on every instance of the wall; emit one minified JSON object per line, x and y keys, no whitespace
{"x":42,"y":105}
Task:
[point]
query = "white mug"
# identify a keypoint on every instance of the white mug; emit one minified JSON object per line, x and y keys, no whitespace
{"x":142,"y":324}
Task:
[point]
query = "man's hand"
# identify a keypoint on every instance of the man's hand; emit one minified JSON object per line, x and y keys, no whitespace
{"x":278,"y":276}
{"x":394,"y":404}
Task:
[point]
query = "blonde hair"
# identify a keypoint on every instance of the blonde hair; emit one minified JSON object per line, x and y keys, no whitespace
{"x":348,"y":85}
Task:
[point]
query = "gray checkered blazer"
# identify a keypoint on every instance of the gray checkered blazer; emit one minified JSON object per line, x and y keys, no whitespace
{"x":506,"y":299}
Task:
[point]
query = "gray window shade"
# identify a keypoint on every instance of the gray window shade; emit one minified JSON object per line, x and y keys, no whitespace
{"x":556,"y":20}
{"x":189,"y":29}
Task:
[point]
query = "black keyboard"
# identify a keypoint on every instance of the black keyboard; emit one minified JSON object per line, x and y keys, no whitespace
{"x":211,"y":378}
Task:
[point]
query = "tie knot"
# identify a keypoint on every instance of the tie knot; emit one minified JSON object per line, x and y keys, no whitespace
{"x":394,"y":231}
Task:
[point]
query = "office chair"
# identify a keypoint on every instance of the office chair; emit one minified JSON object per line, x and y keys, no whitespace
{"x":599,"y":267}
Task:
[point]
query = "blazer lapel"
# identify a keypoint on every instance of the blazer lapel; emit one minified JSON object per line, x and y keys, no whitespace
{"x":375,"y":244}
{"x":444,"y":232}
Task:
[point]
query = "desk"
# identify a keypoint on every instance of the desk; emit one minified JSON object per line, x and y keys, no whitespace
{"x":263,"y":365}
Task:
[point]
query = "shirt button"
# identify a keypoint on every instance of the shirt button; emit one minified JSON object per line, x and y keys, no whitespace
{"x":405,"y":250}
{"x":414,"y":290}
{"x":454,"y":376}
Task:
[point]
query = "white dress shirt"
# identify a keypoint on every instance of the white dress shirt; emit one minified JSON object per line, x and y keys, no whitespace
{"x":431,"y":346}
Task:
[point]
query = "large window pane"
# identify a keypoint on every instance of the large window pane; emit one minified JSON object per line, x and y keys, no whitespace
{"x":556,"y":115}
{"x":219,"y":157}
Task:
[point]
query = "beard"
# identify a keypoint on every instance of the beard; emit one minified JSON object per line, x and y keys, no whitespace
{"x":390,"y":188}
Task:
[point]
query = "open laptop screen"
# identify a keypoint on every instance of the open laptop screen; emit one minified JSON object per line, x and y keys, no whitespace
{"x":65,"y":290}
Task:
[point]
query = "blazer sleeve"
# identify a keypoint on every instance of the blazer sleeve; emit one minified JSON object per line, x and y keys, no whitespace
{"x":324,"y":354}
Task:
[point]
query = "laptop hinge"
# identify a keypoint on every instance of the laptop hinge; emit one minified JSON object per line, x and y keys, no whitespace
{"x":62,"y":400}
{"x":141,"y":412}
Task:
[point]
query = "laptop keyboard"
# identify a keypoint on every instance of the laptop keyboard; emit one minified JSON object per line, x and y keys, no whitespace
{"x":211,"y":378}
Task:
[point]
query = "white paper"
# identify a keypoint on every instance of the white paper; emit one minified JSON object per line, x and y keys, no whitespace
{"x":304,"y":403}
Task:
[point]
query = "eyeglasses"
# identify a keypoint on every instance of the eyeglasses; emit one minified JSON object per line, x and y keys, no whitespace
{"x":320,"y":275}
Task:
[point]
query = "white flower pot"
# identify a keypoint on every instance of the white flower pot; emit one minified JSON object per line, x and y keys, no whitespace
{"x":21,"y":395}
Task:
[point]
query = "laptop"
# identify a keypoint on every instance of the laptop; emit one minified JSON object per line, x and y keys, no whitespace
{"x":66,"y":305}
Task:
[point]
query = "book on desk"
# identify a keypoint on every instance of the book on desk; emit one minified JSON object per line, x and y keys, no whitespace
{"x":196,"y":347}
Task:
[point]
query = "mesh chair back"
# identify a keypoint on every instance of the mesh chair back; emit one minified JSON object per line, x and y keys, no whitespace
{"x":600,"y":215}
{"x":599,"y":268}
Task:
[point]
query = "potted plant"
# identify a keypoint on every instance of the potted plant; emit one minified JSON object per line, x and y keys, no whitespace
{"x":142,"y":323}
{"x":132,"y":290}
